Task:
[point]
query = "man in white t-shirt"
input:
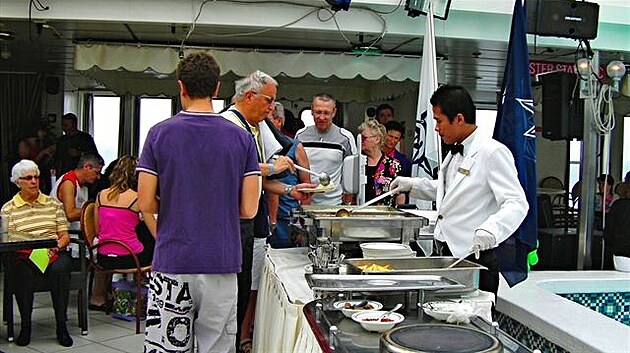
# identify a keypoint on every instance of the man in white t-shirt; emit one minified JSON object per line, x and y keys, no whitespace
{"x":326,"y":145}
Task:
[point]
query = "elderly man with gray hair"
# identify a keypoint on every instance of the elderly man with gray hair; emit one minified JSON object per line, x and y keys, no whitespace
{"x":254,"y":99}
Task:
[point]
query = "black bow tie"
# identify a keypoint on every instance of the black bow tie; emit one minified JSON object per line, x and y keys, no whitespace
{"x":458,"y":148}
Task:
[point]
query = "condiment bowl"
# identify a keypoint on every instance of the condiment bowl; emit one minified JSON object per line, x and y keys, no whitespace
{"x":343,"y":306}
{"x":369,"y":320}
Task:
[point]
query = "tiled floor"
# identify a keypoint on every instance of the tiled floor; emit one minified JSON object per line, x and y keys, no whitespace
{"x":105,"y":334}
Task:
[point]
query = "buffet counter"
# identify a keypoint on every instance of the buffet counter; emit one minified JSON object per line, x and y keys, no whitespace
{"x":280,"y":325}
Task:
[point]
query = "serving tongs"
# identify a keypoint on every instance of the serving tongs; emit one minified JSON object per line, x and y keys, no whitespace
{"x":342,"y":212}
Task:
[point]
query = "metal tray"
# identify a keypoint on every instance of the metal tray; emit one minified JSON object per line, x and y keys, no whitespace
{"x":378,"y":283}
{"x":466,"y":272}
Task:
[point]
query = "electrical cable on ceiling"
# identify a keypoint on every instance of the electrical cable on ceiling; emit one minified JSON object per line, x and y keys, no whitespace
{"x":315,"y":9}
{"x":39,"y":7}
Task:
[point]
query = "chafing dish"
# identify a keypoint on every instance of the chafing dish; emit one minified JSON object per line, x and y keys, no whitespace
{"x":376,"y":283}
{"x":374,"y":223}
{"x":466,"y":272}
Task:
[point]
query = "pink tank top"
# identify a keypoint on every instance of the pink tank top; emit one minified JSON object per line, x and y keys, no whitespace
{"x":117,"y":223}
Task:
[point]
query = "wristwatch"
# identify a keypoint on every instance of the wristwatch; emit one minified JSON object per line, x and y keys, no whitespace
{"x":288,"y":189}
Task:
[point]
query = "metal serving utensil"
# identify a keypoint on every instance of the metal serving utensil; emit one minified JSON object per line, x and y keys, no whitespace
{"x":342,"y":212}
{"x":324,"y":179}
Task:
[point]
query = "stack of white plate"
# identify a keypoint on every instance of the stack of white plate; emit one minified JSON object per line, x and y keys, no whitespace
{"x":374,"y":250}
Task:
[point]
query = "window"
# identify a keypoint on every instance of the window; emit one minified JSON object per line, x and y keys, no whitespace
{"x":307,"y":117}
{"x":575,"y":158}
{"x":106,"y":110}
{"x":485,"y":121}
{"x":152,"y":111}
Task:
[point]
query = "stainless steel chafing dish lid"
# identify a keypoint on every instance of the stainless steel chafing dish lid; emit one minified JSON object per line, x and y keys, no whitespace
{"x":378,"y":283}
{"x":372,"y":212}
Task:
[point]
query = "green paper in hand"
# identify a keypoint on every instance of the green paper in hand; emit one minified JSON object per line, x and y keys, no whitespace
{"x":40,"y":258}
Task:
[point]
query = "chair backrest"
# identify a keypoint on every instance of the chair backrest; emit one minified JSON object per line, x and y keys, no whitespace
{"x":88,"y":223}
{"x":551,"y":182}
{"x":575,"y":193}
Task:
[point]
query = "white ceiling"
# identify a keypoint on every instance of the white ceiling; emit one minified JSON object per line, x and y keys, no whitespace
{"x":47,"y":45}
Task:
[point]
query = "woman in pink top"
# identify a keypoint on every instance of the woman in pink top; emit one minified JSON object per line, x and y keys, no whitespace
{"x":117,"y":217}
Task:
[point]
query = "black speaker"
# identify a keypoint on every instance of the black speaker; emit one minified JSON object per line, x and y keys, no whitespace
{"x":562,"y":18}
{"x":562,"y":108}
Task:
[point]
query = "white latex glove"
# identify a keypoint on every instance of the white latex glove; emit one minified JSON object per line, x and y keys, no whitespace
{"x":482,"y":241}
{"x":403,"y":184}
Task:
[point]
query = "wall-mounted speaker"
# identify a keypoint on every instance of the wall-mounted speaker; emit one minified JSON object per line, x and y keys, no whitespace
{"x":562,"y":108}
{"x":562,"y":18}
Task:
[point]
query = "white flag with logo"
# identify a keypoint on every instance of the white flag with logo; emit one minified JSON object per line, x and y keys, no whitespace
{"x":425,"y":141}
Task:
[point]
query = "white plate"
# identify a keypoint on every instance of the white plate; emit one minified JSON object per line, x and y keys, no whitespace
{"x":319,"y":188}
{"x":441,"y":310}
{"x":340,"y":305}
{"x":377,"y":326}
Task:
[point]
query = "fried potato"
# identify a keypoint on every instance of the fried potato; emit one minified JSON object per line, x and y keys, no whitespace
{"x":376,"y":267}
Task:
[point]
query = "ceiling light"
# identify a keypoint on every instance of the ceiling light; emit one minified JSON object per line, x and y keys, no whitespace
{"x":615,"y":70}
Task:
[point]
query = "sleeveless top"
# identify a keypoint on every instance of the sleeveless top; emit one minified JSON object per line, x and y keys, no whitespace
{"x":118,"y":223}
{"x":80,"y":196}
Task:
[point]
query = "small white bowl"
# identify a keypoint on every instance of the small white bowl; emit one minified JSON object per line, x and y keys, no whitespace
{"x":441,"y":310}
{"x":377,"y":326}
{"x":340,"y":305}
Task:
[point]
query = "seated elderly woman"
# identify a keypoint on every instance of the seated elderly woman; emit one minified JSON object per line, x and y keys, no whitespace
{"x":117,"y":218}
{"x":31,"y":215}
{"x":381,"y":169}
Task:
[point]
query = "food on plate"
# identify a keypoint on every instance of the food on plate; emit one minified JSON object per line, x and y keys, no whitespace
{"x":375,"y":267}
{"x":385,"y":319}
{"x":366,"y":306}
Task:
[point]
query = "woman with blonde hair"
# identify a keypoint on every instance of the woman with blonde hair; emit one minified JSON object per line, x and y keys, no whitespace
{"x":117,"y":218}
{"x":381,"y":169}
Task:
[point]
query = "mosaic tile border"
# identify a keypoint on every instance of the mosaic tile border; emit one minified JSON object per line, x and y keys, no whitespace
{"x":614,"y":305}
{"x":527,"y":336}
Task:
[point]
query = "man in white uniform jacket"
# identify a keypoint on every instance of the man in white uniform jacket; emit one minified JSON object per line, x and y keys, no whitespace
{"x":480,"y":201}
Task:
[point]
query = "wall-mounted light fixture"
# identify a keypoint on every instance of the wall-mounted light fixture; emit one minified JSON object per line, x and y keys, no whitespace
{"x":615,"y":70}
{"x":416,"y":8}
{"x":583,"y":68}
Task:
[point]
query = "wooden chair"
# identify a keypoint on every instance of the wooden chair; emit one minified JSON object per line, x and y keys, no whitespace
{"x":88,"y":226}
{"x":78,"y":282}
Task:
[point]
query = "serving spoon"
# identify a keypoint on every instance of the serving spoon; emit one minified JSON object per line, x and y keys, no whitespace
{"x":324,"y":179}
{"x":342,"y":212}
{"x":398,"y":306}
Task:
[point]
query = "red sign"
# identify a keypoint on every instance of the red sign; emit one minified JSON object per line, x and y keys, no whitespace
{"x":538,"y":67}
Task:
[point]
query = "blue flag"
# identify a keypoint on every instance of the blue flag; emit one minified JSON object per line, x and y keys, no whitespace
{"x":515,"y":128}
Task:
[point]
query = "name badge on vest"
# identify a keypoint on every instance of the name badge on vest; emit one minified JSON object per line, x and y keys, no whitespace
{"x":463,"y":171}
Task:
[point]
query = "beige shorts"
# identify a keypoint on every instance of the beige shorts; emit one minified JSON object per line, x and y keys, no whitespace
{"x":258,"y":261}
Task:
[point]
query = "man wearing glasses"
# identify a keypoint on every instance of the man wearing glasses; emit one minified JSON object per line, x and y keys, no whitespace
{"x":254,"y":99}
{"x":71,"y":189}
{"x":326,"y":145}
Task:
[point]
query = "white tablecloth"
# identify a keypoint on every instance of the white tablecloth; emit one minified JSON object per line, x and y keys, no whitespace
{"x":280,"y":325}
